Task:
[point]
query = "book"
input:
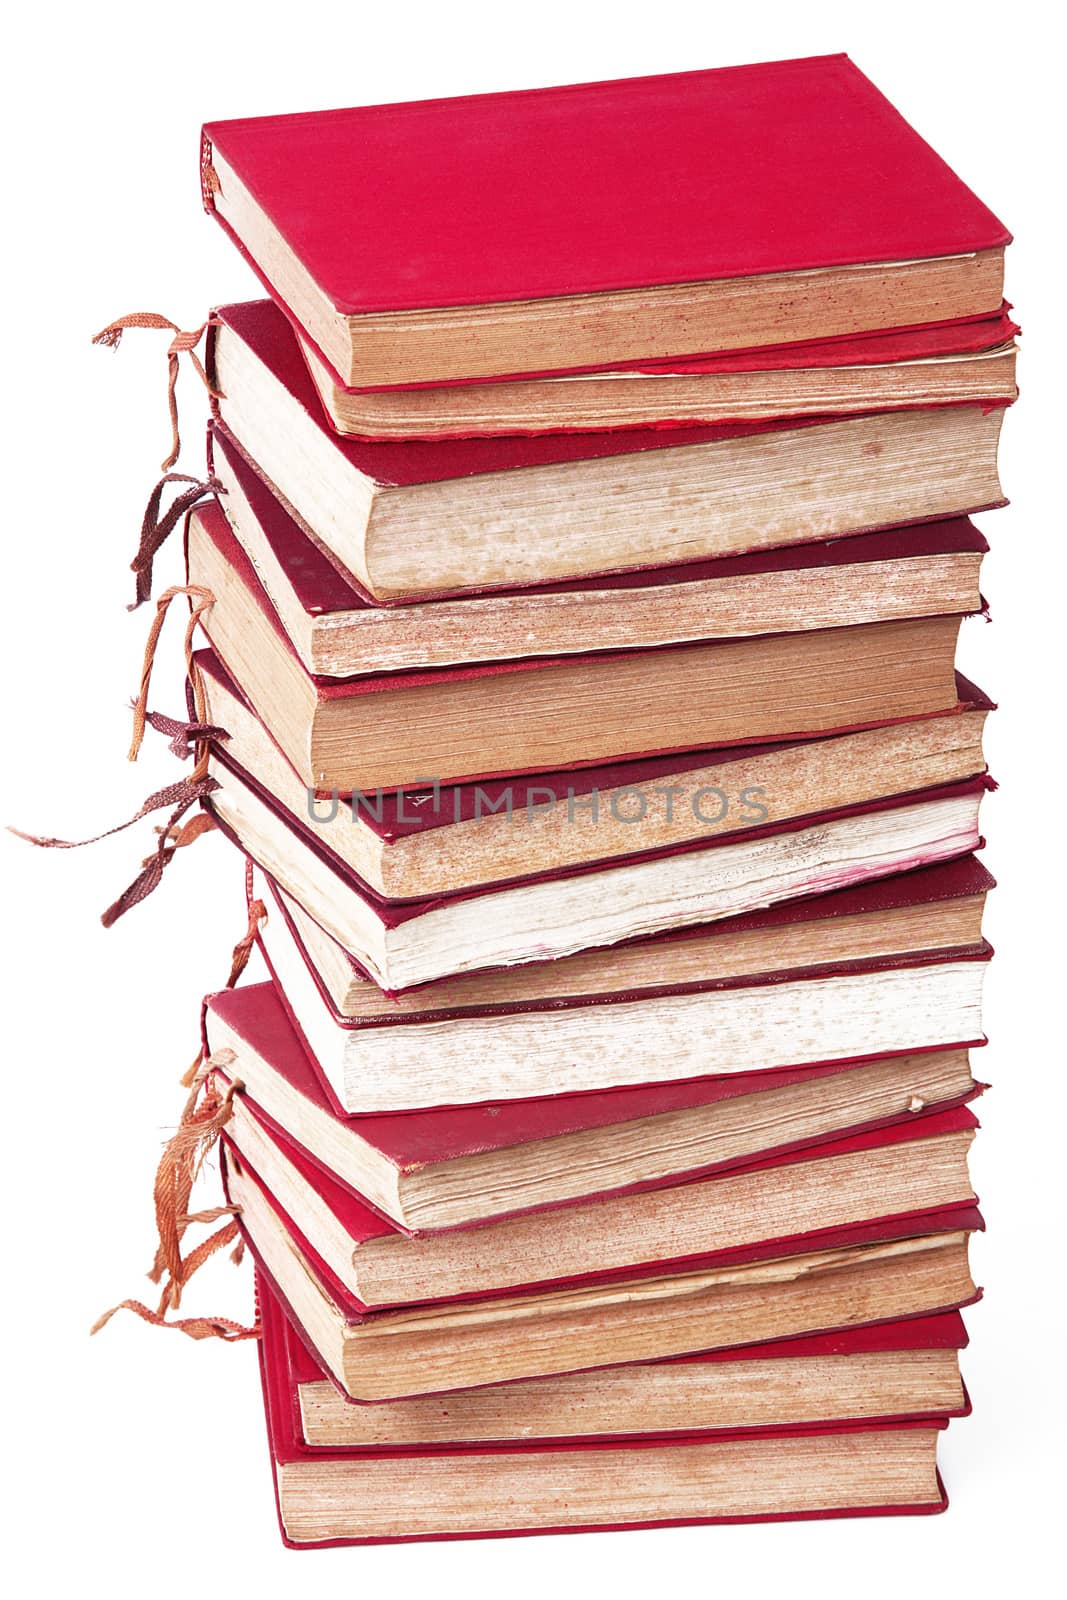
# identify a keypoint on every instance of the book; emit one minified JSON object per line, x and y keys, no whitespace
{"x":410,"y":844}
{"x":411,"y":520}
{"x":872,"y":1272}
{"x":582,"y":1042}
{"x":697,"y":217}
{"x":403,"y":729}
{"x":894,"y":1371}
{"x":355,"y":1492}
{"x":907,"y":1170}
{"x":434,"y":1169}
{"x":929,"y":909}
{"x":924,"y":571}
{"x":943,"y":364}
{"x":402,"y":944}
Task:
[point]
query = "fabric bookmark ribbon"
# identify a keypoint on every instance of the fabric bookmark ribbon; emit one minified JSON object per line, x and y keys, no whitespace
{"x":183,"y":343}
{"x":157,"y":527}
{"x":206,"y":1112}
{"x":242,"y":950}
{"x":191,"y":738}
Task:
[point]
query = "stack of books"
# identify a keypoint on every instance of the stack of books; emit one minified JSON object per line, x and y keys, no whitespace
{"x":585,"y":573}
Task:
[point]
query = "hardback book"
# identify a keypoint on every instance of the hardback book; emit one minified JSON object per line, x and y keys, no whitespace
{"x":365,"y":1496}
{"x":422,"y":519}
{"x":912,"y":914}
{"x":687,"y":213}
{"x":435,"y":1169}
{"x":942,"y":364}
{"x":542,"y":712}
{"x":890,"y":1372}
{"x":359,"y":1498}
{"x":572,"y":1044}
{"x":872,"y":1272}
{"x":401,"y":944}
{"x":421,"y":1489}
{"x":438,"y":839}
{"x":907,"y":1170}
{"x":931,"y":570}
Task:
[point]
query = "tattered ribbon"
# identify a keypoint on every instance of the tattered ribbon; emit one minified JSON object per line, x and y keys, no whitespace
{"x":192,"y":1327}
{"x":185,"y":736}
{"x":174,"y":835}
{"x":172,"y":838}
{"x":202,"y":600}
{"x":182,"y":793}
{"x":183,"y":343}
{"x":155,"y":528}
{"x":184,"y":1154}
{"x":201,"y":1122}
{"x":242,"y":950}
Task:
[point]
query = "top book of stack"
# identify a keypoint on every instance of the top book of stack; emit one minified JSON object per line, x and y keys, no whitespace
{"x":578,"y":229}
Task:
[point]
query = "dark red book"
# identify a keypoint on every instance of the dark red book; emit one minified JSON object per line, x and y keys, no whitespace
{"x":884,"y":920}
{"x":893,"y":1371}
{"x":488,"y":213}
{"x":949,"y":363}
{"x":907,"y":1170}
{"x":425,"y":1490}
{"x":424,"y":519}
{"x":931,"y":569}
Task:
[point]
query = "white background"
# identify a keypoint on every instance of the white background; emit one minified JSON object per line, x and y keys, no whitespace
{"x":137,"y":1459}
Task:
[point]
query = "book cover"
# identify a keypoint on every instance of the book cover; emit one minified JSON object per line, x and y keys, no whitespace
{"x":682,"y":178}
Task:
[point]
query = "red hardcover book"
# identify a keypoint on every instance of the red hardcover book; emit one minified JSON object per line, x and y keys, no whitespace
{"x":427,"y":1491}
{"x":946,"y":364}
{"x":937,"y":908}
{"x":900,"y":1172}
{"x":418,"y":519}
{"x":431,"y":1169}
{"x":714,"y":182}
{"x":892,"y":1371}
{"x":870,"y":1272}
{"x":339,"y":632}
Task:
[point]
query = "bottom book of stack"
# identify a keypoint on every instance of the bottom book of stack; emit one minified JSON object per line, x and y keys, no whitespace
{"x":841,"y":1423}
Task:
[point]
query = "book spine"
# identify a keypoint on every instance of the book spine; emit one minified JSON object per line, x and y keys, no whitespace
{"x":209,"y":178}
